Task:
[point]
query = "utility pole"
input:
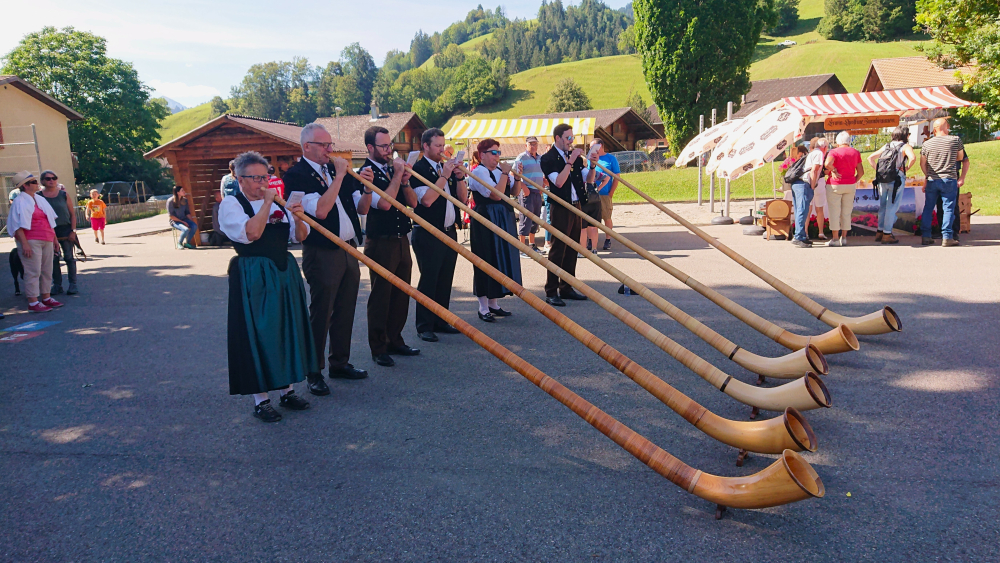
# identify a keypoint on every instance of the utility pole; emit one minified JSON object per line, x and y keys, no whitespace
{"x":711,"y":180}
{"x":338,"y":109}
{"x":701,"y":127}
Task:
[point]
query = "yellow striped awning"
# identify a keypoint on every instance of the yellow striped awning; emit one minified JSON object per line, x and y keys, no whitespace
{"x":516,"y":129}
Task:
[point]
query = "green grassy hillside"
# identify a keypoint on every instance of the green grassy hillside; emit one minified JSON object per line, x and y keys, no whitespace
{"x":175,"y":125}
{"x":469,"y":46}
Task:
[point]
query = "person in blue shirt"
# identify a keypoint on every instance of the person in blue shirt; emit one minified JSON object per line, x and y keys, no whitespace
{"x":608,"y":191}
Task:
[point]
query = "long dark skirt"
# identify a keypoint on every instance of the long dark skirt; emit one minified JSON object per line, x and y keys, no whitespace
{"x":495,"y":251}
{"x":270,"y":342}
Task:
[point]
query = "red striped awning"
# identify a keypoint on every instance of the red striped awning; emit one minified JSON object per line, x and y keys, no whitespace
{"x":895,"y":102}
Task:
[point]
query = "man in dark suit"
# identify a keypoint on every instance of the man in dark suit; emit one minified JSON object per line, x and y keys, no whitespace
{"x":334,"y":200}
{"x":387,"y":244}
{"x":563,"y":167}
{"x":435,"y":259}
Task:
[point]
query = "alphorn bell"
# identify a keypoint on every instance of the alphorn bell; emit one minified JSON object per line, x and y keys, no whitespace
{"x":790,"y":431}
{"x":806,"y":393}
{"x":790,"y":366}
{"x":787,"y":480}
{"x":879,"y":322}
{"x":834,"y":341}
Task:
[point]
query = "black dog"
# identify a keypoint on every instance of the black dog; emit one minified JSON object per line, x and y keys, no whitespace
{"x":16,"y":269}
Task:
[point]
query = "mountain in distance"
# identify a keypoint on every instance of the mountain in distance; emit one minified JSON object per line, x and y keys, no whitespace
{"x":173,"y":105}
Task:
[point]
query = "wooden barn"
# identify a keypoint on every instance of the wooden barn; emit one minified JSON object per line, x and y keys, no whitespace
{"x":200,"y":158}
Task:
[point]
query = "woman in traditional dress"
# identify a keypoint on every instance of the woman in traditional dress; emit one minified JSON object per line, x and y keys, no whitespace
{"x":270,"y":343}
{"x":494,"y":250}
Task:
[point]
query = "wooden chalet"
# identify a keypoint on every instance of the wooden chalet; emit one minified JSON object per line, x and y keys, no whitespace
{"x":912,"y":72}
{"x":618,"y":128}
{"x":200,"y":158}
{"x":404,"y":127}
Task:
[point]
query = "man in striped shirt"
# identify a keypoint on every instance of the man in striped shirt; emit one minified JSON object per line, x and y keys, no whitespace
{"x":529,"y":165}
{"x":939,"y":158}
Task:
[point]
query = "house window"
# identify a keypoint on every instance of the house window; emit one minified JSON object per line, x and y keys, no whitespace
{"x":401,"y":138}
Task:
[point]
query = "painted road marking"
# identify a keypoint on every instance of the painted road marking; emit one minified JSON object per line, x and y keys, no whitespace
{"x":18,"y":336}
{"x":27,"y":327}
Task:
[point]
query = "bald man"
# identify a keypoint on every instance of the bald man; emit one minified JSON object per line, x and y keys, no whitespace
{"x":939,"y":158}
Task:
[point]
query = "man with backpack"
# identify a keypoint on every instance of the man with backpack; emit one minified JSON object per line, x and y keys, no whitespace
{"x":891,"y":163}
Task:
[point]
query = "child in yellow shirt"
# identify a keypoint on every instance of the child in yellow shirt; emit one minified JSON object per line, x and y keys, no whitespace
{"x":95,"y":212}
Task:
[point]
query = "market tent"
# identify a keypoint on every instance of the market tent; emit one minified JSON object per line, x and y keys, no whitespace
{"x":888,"y":102}
{"x":516,"y":130}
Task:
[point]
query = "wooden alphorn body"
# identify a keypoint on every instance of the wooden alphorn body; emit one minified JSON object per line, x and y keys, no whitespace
{"x":834,"y":341}
{"x":790,"y":366}
{"x":790,"y":431}
{"x":879,"y":322}
{"x":787,"y":480}
{"x":805,"y":393}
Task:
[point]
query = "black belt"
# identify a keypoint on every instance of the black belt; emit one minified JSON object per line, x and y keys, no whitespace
{"x":446,"y":229}
{"x":386,"y":237}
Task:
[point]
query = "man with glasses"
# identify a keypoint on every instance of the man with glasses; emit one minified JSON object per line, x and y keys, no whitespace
{"x":387,"y":244}
{"x":529,"y":165}
{"x":563,"y":168}
{"x":333,"y":200}
{"x":65,"y":231}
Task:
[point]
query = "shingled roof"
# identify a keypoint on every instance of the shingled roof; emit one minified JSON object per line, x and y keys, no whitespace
{"x":353,"y":127}
{"x":30,"y":89}
{"x":763,"y":92}
{"x":909,"y":72}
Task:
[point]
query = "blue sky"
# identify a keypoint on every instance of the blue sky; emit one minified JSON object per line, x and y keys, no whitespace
{"x":191,"y":51}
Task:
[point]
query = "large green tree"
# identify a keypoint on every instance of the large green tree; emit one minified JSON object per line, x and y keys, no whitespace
{"x":568,"y":96}
{"x":964,"y":33}
{"x":867,"y":20}
{"x":692,"y":67}
{"x":120,"y":120}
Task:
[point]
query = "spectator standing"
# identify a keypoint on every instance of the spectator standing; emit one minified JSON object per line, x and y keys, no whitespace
{"x":594,"y":180}
{"x":529,"y":165}
{"x":607,"y":192}
{"x":891,"y":193}
{"x":816,"y":158}
{"x":275,"y":183}
{"x":802,"y":195}
{"x":956,"y":224}
{"x":845,"y":168}
{"x":97,"y":214}
{"x":32,"y":223}
{"x":179,"y":215}
{"x":939,"y":160}
{"x":218,"y":237}
{"x":229,"y":185}
{"x":65,"y":229}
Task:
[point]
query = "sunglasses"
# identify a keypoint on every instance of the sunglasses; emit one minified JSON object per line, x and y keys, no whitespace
{"x":49,"y":178}
{"x":30,"y":182}
{"x":494,"y":152}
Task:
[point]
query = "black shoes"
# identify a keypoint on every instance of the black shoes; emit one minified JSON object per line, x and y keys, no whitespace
{"x":573,"y":295}
{"x":427,"y":336}
{"x":554,"y":301}
{"x":607,"y":244}
{"x":317,"y":386}
{"x":292,"y":401}
{"x":383,"y":360}
{"x":56,"y":290}
{"x":499,"y":312}
{"x":926,"y":241}
{"x":266,"y":412}
{"x":403,"y":350}
{"x":72,"y":289}
{"x":448,"y":329}
{"x":348,"y":372}
{"x":488,"y":317}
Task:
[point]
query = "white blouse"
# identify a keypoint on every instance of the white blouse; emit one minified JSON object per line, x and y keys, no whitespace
{"x":481,"y":172}
{"x":233,"y":220}
{"x":21,"y":210}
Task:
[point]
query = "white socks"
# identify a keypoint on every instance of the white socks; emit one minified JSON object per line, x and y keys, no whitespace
{"x":259,"y":398}
{"x":483,"y":305}
{"x":493,"y":304}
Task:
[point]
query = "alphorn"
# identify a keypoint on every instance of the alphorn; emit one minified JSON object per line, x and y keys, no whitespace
{"x":790,"y":431}
{"x":806,"y":393}
{"x":789,"y":479}
{"x":879,"y":322}
{"x":790,"y":366}
{"x":834,"y":341}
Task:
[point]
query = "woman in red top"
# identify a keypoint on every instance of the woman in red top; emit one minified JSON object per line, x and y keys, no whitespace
{"x":32,"y":221}
{"x":845,"y":168}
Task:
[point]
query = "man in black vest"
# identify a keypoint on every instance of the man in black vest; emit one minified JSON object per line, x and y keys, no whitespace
{"x":563,"y":167}
{"x":435,"y":259}
{"x":386,"y":243}
{"x":333,"y":200}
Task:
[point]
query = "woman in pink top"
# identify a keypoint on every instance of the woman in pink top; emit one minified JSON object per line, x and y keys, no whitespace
{"x":32,"y":221}
{"x":845,"y":168}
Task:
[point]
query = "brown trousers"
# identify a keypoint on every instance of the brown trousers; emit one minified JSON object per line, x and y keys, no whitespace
{"x":334,"y":278}
{"x":561,"y":255}
{"x":388,"y":306}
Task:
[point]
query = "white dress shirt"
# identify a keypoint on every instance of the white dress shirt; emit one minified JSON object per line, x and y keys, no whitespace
{"x":233,"y":220}
{"x":310,"y":201}
{"x":375,"y":197}
{"x":553,"y":175}
{"x":449,"y":210}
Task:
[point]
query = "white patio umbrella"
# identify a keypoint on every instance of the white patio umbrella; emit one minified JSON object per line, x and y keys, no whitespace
{"x":706,"y":141}
{"x":761,"y":143}
{"x":725,"y":146}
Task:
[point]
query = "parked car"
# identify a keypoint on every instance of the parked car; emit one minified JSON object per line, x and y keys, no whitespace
{"x":787,"y":43}
{"x":633,"y":161}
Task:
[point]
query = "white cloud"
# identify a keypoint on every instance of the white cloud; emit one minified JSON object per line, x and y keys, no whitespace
{"x":183,"y":93}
